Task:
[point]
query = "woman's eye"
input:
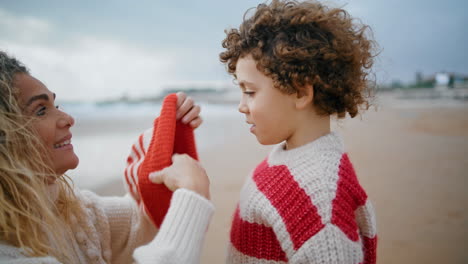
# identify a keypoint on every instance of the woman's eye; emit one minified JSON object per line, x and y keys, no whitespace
{"x":249,"y":93}
{"x":41,"y":111}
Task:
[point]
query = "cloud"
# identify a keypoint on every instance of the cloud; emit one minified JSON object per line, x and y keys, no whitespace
{"x":12,"y":26}
{"x":82,"y":67}
{"x":426,"y":36}
{"x":157,"y":43}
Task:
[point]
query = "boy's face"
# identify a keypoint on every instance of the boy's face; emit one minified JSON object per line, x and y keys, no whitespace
{"x":271,"y":113}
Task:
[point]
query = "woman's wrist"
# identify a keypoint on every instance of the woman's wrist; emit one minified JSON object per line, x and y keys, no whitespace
{"x":188,"y":211}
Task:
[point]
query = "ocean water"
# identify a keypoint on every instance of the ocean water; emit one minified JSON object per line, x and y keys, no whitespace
{"x":104,"y":134}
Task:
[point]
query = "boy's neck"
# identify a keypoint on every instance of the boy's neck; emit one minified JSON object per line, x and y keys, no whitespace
{"x":308,"y":131}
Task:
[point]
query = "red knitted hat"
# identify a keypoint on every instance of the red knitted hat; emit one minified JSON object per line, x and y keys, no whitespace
{"x":153,"y":152}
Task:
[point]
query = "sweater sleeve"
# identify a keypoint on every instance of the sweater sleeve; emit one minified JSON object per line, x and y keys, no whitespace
{"x":30,"y":260}
{"x":14,"y":255}
{"x":182,"y":233}
{"x":126,"y":228}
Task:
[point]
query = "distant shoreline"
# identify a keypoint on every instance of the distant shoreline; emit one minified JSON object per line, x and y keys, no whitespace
{"x":232,"y":96}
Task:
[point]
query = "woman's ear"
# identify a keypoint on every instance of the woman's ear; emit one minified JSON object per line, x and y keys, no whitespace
{"x":305,"y":97}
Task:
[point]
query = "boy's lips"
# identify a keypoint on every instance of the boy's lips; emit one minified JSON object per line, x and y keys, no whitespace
{"x":252,"y":126}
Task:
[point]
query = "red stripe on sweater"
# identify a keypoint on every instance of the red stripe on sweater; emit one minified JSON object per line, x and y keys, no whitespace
{"x":134,"y":149}
{"x":349,"y":196}
{"x":255,"y":240}
{"x":291,"y":201}
{"x":132,"y":176}
{"x":130,"y":186}
{"x":140,"y":140}
{"x":370,"y":250}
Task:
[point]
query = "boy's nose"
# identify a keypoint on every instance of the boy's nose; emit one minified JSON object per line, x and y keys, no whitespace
{"x":242,"y":108}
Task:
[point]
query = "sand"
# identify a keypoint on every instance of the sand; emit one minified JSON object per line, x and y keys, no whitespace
{"x":412,"y":161}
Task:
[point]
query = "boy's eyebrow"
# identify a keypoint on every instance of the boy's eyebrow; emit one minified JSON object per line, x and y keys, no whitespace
{"x":38,"y":97}
{"x":243,"y":83}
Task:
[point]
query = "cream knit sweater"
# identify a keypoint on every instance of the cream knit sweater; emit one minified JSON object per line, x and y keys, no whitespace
{"x":114,"y":231}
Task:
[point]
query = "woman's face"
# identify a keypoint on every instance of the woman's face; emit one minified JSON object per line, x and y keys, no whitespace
{"x":52,"y":125}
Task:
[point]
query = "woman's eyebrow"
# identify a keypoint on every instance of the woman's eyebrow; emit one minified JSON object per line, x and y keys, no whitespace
{"x":37,"y":97}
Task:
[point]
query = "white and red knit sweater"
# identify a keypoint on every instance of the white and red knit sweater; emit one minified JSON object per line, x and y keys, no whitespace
{"x":304,"y":205}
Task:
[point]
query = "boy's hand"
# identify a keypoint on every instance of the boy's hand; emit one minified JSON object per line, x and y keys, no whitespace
{"x":188,"y":111}
{"x":184,"y":172}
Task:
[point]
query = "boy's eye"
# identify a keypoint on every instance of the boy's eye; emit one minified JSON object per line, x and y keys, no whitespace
{"x":57,"y":106}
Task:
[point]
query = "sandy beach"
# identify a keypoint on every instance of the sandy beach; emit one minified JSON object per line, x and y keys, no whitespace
{"x":411,"y":160}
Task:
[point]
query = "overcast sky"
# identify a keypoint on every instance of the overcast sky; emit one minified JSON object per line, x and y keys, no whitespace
{"x":92,"y":50}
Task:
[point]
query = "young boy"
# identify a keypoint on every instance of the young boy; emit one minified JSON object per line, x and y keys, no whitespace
{"x":298,"y":64}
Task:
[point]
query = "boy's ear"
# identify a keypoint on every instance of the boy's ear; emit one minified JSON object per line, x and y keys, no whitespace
{"x":305,"y":97}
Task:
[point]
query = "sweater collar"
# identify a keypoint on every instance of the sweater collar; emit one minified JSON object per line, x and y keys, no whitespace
{"x":329,"y":142}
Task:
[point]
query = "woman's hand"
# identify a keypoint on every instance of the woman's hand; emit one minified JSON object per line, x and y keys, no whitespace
{"x":184,"y":172}
{"x":188,"y":111}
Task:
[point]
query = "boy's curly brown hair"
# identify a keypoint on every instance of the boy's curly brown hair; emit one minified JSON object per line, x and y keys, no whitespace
{"x":306,"y":43}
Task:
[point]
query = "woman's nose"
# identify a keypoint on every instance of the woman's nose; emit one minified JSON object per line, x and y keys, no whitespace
{"x":66,"y":120}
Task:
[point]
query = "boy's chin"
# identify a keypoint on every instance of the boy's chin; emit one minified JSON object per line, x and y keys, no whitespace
{"x":268,"y":142}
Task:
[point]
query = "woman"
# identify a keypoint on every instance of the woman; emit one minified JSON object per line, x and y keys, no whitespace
{"x":44,"y":220}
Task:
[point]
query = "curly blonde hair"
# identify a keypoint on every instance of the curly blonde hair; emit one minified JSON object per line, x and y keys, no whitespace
{"x":28,"y":219}
{"x":306,"y":43}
